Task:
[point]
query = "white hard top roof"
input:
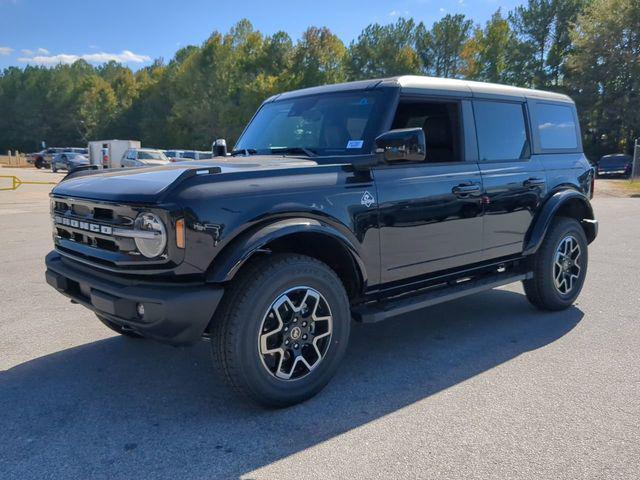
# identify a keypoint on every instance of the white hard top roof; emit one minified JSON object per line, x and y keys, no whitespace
{"x":435,"y":86}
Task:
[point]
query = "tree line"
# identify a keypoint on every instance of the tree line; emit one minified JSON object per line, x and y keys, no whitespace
{"x":588,"y":49}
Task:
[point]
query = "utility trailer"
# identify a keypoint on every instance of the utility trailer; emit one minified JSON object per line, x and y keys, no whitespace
{"x":108,"y":153}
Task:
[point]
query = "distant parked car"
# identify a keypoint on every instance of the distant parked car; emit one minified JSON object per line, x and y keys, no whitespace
{"x":174,"y":155}
{"x":614,"y":165}
{"x":82,"y":151}
{"x":68,"y":161}
{"x":144,"y":157}
{"x":43,"y":158}
{"x":196,"y":155}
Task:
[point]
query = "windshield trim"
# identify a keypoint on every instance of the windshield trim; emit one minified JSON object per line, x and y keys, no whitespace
{"x":389,"y":96}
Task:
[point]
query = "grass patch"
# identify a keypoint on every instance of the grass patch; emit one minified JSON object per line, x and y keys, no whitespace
{"x":631,"y":188}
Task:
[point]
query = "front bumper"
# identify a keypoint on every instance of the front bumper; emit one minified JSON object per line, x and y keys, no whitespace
{"x":174,"y":313}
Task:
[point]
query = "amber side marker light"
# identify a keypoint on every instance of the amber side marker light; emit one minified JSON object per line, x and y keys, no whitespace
{"x":180,"y":233}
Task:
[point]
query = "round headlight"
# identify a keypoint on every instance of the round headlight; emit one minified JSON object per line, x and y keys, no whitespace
{"x":153,"y":244}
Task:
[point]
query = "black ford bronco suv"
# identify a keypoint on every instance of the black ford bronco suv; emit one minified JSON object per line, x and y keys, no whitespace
{"x":363,"y":200}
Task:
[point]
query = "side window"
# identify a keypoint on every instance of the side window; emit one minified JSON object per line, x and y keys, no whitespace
{"x":440,"y":122}
{"x":556,"y":126}
{"x":501,"y":130}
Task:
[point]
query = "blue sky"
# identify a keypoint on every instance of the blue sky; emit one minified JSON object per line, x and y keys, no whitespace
{"x":137,"y":31}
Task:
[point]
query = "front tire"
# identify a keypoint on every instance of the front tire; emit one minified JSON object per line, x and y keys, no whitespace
{"x":559,"y":267}
{"x":282,"y":329}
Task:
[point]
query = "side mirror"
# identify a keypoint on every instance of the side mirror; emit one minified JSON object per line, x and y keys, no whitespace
{"x":219,"y":148}
{"x":402,"y":145}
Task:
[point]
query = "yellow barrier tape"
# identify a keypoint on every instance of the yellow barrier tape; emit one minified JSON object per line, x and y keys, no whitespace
{"x":16,"y":182}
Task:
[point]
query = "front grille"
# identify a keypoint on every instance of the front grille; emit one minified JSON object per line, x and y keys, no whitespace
{"x":95,"y":225}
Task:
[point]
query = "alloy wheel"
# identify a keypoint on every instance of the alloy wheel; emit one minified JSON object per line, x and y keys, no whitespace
{"x":567,"y":265}
{"x":295,"y":333}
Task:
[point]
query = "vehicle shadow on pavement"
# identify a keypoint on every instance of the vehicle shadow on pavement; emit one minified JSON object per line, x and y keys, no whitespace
{"x":124,"y":408}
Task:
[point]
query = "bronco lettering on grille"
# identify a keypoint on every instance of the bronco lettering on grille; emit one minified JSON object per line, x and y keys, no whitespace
{"x":81,"y":225}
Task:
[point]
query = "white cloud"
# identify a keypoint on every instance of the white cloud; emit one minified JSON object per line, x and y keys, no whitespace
{"x":28,"y":52}
{"x":6,"y":50}
{"x":126,"y":56}
{"x":398,"y":13}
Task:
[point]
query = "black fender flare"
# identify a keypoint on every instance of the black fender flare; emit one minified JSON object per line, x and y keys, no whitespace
{"x":554,"y":203}
{"x":234,"y":255}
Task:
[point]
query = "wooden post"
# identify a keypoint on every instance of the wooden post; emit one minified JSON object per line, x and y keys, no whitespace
{"x":635,"y":166}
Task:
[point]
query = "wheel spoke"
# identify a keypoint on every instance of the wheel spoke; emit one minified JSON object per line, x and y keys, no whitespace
{"x":566,"y":265}
{"x":297,"y":341}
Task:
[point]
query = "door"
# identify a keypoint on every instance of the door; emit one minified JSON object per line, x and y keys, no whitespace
{"x":514,"y":181}
{"x":430,"y":213}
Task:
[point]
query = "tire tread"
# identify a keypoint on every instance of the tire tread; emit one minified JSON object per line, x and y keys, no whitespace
{"x":227,"y":322}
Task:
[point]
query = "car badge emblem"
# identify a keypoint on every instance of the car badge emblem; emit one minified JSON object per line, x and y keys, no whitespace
{"x":367,"y":199}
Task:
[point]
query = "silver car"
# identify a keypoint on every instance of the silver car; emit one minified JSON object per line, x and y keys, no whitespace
{"x":144,"y":157}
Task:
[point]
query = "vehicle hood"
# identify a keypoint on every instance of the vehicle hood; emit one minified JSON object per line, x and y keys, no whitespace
{"x":149,"y":184}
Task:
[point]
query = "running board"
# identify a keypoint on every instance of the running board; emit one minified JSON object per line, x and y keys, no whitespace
{"x":379,"y":311}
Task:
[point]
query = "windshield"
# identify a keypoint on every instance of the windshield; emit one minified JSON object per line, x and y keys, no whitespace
{"x":151,"y":155}
{"x":342,"y":123}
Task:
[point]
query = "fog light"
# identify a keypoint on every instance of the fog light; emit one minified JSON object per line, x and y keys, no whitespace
{"x":140,"y":309}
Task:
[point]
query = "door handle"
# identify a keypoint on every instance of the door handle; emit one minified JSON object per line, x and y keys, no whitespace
{"x":534,"y":182}
{"x":465,"y":189}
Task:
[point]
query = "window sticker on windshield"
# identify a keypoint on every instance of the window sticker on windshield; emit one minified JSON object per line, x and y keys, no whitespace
{"x":355,"y":143}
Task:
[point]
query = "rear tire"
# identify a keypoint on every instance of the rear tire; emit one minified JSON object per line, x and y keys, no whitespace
{"x":559,"y":267}
{"x":118,"y":328}
{"x":282,"y":329}
{"x":39,"y":163}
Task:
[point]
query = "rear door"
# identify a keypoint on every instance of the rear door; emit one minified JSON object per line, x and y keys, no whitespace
{"x":430,"y":212}
{"x":514,"y":181}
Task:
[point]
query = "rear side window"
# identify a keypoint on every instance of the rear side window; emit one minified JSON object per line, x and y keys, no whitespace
{"x":501,"y":130}
{"x":556,"y":126}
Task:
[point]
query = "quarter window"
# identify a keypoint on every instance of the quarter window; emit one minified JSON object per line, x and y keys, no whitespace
{"x":556,"y":126}
{"x":501,"y":130}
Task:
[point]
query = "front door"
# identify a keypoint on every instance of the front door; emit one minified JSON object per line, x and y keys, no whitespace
{"x":430,"y":213}
{"x":514,"y":181}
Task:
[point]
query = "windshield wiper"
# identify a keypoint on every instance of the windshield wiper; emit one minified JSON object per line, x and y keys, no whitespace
{"x":293,"y":150}
{"x":244,"y":151}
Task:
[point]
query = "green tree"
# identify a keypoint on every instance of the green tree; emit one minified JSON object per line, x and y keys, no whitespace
{"x":441,"y":47}
{"x":384,"y":50}
{"x":534,"y":23}
{"x":97,"y":106}
{"x":485,"y":56}
{"x":604,"y":73}
{"x":566,"y":15}
{"x":318,"y":59}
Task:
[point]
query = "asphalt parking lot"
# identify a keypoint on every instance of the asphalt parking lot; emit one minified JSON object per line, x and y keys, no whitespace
{"x":483,"y":387}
